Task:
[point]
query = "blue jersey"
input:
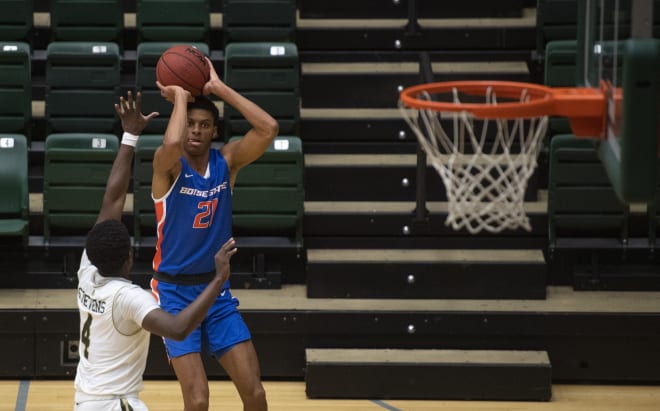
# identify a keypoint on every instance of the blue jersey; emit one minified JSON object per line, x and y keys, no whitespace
{"x":194,"y":219}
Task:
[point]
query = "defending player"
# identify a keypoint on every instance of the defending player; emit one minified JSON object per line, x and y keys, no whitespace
{"x":116,"y":316}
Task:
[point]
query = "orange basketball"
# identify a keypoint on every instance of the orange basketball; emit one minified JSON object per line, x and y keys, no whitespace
{"x":183,"y":66}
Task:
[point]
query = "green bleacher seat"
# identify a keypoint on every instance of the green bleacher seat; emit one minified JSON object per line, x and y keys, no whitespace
{"x":82,"y":80}
{"x":143,"y":205}
{"x":86,"y":20}
{"x":14,"y":221}
{"x":15,"y":88}
{"x":558,"y":20}
{"x":560,"y":71}
{"x":268,"y":196}
{"x":16,"y":20}
{"x":653,"y":215}
{"x":258,"y":20}
{"x":173,"y":20}
{"x":560,"y":65}
{"x":268,"y":74}
{"x":555,"y":20}
{"x":76,"y":169}
{"x":148,"y":54}
{"x":581,"y":200}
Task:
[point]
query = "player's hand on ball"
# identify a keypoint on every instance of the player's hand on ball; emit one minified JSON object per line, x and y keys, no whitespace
{"x":129,"y":111}
{"x":169,"y":93}
{"x":222,"y":258}
{"x":214,"y":80}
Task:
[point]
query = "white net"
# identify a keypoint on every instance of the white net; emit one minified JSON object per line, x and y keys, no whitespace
{"x":484,"y":164}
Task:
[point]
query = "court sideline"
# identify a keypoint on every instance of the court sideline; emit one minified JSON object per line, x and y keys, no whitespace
{"x":39,"y":395}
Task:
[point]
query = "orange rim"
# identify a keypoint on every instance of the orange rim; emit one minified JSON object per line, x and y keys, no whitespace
{"x":585,"y":107}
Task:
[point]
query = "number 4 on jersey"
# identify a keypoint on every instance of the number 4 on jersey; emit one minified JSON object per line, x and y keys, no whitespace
{"x":84,"y":335}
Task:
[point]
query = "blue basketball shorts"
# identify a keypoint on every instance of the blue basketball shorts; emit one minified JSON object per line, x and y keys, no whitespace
{"x":222,"y":328}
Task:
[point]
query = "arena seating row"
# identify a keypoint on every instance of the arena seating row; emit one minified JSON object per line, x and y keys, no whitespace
{"x":361,"y":233}
{"x":84,"y":65}
{"x":558,"y":20}
{"x":594,"y":239}
{"x":83,"y":80}
{"x":180,"y":20}
{"x":77,"y":165}
{"x":14,"y":188}
{"x":280,"y":92}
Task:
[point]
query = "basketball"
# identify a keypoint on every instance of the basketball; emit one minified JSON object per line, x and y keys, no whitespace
{"x":183,"y":66}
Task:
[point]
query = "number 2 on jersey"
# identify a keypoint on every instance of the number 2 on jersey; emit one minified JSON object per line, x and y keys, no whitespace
{"x":204,"y":218}
{"x":84,"y":335}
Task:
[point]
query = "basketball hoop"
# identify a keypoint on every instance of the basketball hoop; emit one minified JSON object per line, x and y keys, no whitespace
{"x":496,"y":133}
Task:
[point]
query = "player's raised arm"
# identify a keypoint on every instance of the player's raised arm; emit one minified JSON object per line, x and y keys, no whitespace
{"x":166,"y":159}
{"x":264,"y":127}
{"x":132,"y":122}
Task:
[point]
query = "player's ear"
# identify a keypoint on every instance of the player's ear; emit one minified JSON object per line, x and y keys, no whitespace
{"x":128,"y":264}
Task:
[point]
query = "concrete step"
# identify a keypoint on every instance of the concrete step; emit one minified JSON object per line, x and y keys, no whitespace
{"x":428,"y":374}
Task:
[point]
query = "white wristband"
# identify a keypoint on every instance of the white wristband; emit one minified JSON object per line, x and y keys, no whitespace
{"x":129,"y":139}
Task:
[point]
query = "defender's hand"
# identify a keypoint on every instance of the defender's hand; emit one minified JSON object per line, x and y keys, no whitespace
{"x":129,"y":111}
{"x":222,"y":258}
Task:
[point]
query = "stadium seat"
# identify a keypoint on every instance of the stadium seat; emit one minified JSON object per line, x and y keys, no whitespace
{"x":15,"y":88}
{"x":653,"y":215}
{"x":258,"y":20}
{"x":560,"y":64}
{"x":76,"y":168}
{"x":558,"y":20}
{"x":14,"y":221}
{"x":269,"y":195}
{"x":581,"y":200}
{"x":268,"y":74}
{"x":594,"y":238}
{"x":82,"y":80}
{"x":86,"y":20}
{"x":143,"y":206}
{"x":148,"y":54}
{"x":173,"y":20}
{"x":16,"y":20}
{"x":560,"y":71}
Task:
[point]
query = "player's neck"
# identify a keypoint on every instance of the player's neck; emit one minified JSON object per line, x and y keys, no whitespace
{"x":198,"y":163}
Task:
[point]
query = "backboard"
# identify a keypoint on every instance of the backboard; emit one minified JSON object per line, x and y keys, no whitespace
{"x":617,"y":53}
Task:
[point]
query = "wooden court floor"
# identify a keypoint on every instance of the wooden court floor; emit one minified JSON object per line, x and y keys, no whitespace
{"x":36,"y":395}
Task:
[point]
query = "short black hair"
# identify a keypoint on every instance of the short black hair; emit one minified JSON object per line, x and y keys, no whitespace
{"x":204,"y":103}
{"x":108,"y":246}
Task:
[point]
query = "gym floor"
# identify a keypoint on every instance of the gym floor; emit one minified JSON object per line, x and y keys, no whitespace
{"x":290,"y":396}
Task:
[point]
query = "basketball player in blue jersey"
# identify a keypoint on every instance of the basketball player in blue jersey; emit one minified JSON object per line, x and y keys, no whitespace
{"x":116,"y":316}
{"x":191,"y":188}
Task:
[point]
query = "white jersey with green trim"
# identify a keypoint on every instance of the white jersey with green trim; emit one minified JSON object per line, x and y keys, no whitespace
{"x":113,"y":345}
